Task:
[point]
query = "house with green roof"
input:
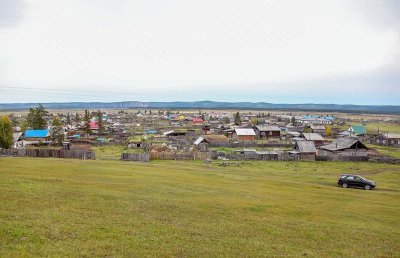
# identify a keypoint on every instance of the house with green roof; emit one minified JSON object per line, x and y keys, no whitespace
{"x":357,"y":130}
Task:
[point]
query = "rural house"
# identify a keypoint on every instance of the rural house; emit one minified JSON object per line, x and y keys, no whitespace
{"x":388,"y":139}
{"x":211,"y":139}
{"x":357,"y":130}
{"x":34,"y":137}
{"x":304,"y":150}
{"x":267,"y":131}
{"x":318,"y":129}
{"x":315,"y":137}
{"x":245,"y":134}
{"x":344,"y":147}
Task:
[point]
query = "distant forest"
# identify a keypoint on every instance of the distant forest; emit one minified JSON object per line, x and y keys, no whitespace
{"x":211,"y":105}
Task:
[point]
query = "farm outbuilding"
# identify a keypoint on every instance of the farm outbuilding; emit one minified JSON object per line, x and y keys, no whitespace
{"x":268,"y":131}
{"x":245,"y":134}
{"x":304,"y":150}
{"x":388,"y":139}
{"x":344,"y":147}
{"x":315,"y":137}
{"x":34,"y":137}
{"x":357,"y":130}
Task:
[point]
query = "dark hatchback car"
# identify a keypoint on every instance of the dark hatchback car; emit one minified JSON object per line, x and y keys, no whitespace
{"x":347,"y":180}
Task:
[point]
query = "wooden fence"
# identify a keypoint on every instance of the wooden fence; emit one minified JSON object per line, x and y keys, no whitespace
{"x":180,"y":156}
{"x":249,"y":144}
{"x":135,"y":156}
{"x":341,"y":158}
{"x":48,"y":153}
{"x":251,"y":156}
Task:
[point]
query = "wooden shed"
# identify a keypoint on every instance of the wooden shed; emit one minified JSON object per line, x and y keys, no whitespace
{"x":268,"y":131}
{"x":245,"y":134}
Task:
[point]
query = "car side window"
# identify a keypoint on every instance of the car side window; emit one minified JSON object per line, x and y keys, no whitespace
{"x":350,"y":178}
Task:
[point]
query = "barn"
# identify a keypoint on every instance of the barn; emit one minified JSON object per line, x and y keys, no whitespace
{"x":388,"y":139}
{"x":344,"y":147}
{"x":315,"y":137}
{"x":304,"y":150}
{"x":245,"y":134}
{"x":267,"y":131}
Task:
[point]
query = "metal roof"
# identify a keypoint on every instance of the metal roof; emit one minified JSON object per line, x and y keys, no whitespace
{"x":343,"y":143}
{"x":313,"y":137}
{"x":198,"y":141}
{"x":268,"y":128}
{"x":245,"y":131}
{"x":306,"y":147}
{"x":36,"y":133}
{"x":358,"y":129}
{"x":391,"y":135}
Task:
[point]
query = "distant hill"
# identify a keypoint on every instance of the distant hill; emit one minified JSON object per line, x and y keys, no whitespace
{"x":210,"y":105}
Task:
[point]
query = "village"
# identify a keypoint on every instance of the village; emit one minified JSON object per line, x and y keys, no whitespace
{"x":144,"y":135}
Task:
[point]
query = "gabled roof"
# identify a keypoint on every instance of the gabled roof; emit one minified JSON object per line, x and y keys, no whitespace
{"x":344,"y":143}
{"x":197,"y":120}
{"x":305,"y":147}
{"x":215,"y":137}
{"x":313,"y":137}
{"x":268,"y":128}
{"x":94,"y":125}
{"x":198,"y":141}
{"x":391,"y":135}
{"x":36,"y":133}
{"x":358,"y":129}
{"x":245,"y":131}
{"x":318,"y":127}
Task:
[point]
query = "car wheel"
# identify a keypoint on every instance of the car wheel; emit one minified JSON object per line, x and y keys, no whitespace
{"x":345,"y":185}
{"x":367,"y":187}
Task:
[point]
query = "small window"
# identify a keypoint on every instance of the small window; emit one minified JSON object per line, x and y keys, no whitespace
{"x":350,"y":178}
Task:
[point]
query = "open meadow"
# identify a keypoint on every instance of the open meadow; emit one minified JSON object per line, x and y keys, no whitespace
{"x":100,"y":208}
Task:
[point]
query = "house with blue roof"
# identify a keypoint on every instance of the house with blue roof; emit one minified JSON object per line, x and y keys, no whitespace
{"x":32,"y":137}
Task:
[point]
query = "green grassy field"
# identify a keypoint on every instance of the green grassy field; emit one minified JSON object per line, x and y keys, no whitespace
{"x":112,"y":152}
{"x":64,"y":208}
{"x":386,"y":150}
{"x":383,"y":127}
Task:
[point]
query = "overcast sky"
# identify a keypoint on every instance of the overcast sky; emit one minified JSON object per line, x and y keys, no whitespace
{"x":227,"y":50}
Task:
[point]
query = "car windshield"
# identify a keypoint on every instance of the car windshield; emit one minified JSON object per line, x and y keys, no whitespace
{"x":363,"y":178}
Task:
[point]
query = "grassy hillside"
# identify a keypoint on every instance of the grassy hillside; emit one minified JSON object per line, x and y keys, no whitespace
{"x":111,"y":208}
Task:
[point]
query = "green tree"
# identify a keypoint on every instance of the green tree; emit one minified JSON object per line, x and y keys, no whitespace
{"x":238,"y":120}
{"x":24,"y":126}
{"x":77,"y":118}
{"x":6,"y":134}
{"x":37,"y":117}
{"x":57,"y":134}
{"x":307,"y":129}
{"x":254,"y":121}
{"x":226,"y":120}
{"x":87,"y":121}
{"x":56,"y":121}
{"x":100,"y":121}
{"x":68,"y":119}
{"x":293,"y":121}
